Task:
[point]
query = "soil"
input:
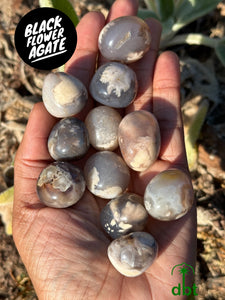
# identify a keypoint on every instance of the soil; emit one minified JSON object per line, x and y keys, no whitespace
{"x":202,"y":79}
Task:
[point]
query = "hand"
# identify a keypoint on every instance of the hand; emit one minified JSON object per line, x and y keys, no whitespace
{"x":64,"y":250}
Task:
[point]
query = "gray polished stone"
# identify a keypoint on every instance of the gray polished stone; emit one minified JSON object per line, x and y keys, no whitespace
{"x":114,"y":84}
{"x":60,"y":185}
{"x":63,"y":95}
{"x":125,"y":39}
{"x":139,"y":139}
{"x":102,"y":124}
{"x":124,"y":214}
{"x":169,"y":195}
{"x":106,"y":174}
{"x":133,"y":254}
{"x":68,"y":139}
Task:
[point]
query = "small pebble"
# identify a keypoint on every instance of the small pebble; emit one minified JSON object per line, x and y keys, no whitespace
{"x":68,"y":139}
{"x":102,"y":124}
{"x":106,"y":174}
{"x":63,"y":95}
{"x":169,"y":195}
{"x":139,"y":139}
{"x":60,"y":185}
{"x":114,"y":84}
{"x":133,"y":254}
{"x":124,"y":214}
{"x":125,"y":39}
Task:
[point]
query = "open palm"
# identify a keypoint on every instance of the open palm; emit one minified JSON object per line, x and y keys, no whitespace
{"x":64,"y":250}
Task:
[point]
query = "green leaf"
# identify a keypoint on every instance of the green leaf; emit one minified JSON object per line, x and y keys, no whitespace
{"x":150,"y":5}
{"x":167,"y":32}
{"x":63,"y":5}
{"x":220,"y":51}
{"x":162,"y":8}
{"x":145,"y":13}
{"x":192,"y":133}
{"x":190,"y":10}
{"x":165,"y":9}
{"x":6,"y":208}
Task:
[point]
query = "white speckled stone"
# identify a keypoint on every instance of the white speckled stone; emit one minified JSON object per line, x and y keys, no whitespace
{"x":124,"y":214}
{"x":125,"y":39}
{"x":68,"y":139}
{"x":169,"y":195}
{"x":139,"y":139}
{"x":114,"y":84}
{"x":133,"y":254}
{"x":102,"y":124}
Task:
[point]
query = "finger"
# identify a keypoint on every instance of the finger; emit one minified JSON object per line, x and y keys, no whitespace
{"x":32,"y":155}
{"x":82,"y":63}
{"x":122,"y":8}
{"x":144,"y":69}
{"x":166,"y":108}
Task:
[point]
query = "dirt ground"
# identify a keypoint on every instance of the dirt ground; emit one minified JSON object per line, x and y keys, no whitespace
{"x":202,"y":78}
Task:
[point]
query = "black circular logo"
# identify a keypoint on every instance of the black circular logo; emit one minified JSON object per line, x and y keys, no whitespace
{"x":45,"y":38}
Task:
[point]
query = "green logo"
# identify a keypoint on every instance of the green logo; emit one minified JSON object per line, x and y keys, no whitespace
{"x":181,"y":288}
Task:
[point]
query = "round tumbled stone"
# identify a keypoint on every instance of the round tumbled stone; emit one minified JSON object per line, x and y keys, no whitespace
{"x":63,"y":95}
{"x":125,"y":39}
{"x":169,"y":195}
{"x":68,"y":139}
{"x":124,"y":214}
{"x":139,"y":139}
{"x":106,"y":174}
{"x":114,"y":84}
{"x":60,"y":185}
{"x":133,"y":254}
{"x":102,"y":124}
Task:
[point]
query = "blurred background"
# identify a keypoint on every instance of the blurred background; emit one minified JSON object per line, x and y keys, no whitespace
{"x":195,"y":30}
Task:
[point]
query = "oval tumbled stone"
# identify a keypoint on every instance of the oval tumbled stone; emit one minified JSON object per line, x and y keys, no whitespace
{"x":60,"y":185}
{"x":125,"y":39}
{"x":106,"y":174}
{"x":63,"y":95}
{"x":133,"y":254}
{"x":102,"y":123}
{"x":139,"y":139}
{"x":124,"y":214}
{"x":114,"y":84}
{"x":169,"y":195}
{"x":68,"y":139}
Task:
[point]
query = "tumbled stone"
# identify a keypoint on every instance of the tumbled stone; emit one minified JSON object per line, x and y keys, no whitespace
{"x":124,"y":214}
{"x":169,"y":195}
{"x":125,"y":39}
{"x":106,"y":174}
{"x":68,"y":139}
{"x":60,"y":185}
{"x":63,"y":95}
{"x":133,"y":254}
{"x":114,"y":84}
{"x":102,"y":124}
{"x":139,"y":139}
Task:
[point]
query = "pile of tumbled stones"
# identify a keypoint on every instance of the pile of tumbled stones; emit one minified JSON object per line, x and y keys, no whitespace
{"x":106,"y":174}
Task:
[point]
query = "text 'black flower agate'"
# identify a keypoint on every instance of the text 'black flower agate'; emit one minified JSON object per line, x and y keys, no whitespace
{"x":133,"y":254}
{"x":125,"y":39}
{"x":124,"y":214}
{"x":114,"y":84}
{"x":68,"y":139}
{"x":63,"y":95}
{"x":106,"y":174}
{"x":60,"y":185}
